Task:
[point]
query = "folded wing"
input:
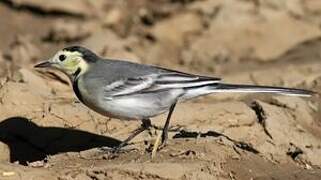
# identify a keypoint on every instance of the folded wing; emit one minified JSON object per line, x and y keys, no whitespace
{"x":156,"y":82}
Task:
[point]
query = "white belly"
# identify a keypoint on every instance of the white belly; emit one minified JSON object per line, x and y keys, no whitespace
{"x":140,"y":106}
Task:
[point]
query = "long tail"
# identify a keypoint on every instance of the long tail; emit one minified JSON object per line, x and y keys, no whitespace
{"x":221,"y":87}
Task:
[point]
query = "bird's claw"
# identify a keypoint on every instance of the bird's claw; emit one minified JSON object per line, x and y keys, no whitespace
{"x":115,"y":150}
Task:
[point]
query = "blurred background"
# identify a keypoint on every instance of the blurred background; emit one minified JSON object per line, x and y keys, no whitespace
{"x":209,"y":36}
{"x":265,"y":42}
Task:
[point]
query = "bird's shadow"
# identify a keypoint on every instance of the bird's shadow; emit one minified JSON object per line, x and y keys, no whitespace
{"x":29,"y":142}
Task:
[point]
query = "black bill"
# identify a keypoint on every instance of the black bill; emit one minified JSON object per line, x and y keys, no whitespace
{"x":43,"y":64}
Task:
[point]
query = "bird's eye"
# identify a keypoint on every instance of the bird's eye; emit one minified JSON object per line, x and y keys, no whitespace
{"x":62,"y":57}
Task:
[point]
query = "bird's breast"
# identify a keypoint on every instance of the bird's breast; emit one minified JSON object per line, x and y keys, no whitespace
{"x":86,"y":94}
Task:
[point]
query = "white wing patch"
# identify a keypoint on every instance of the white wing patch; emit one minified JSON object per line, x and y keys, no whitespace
{"x":113,"y":85}
{"x":176,"y":80}
{"x":132,"y":87}
{"x":156,"y":82}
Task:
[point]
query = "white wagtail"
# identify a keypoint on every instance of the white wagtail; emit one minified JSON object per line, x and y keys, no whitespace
{"x":127,"y":90}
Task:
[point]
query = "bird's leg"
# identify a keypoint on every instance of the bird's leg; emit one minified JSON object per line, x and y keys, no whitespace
{"x":166,"y":126}
{"x":164,"y":135}
{"x":146,"y":123}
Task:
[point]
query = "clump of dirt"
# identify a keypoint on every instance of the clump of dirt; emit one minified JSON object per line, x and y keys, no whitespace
{"x":46,"y":133}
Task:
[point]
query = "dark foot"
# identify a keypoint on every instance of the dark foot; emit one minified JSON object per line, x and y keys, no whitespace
{"x":165,"y":129}
{"x":160,"y":143}
{"x":163,"y":143}
{"x":161,"y":146}
{"x":115,"y":150}
{"x":119,"y":149}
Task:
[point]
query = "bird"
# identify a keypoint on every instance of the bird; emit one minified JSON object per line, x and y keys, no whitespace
{"x":133,"y":91}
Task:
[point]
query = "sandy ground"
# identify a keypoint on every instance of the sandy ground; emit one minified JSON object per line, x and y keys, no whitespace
{"x":46,"y":133}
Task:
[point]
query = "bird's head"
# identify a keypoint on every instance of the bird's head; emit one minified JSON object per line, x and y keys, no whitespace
{"x":72,"y":61}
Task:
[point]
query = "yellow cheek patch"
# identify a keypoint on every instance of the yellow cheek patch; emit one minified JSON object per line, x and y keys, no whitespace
{"x":73,"y":62}
{"x":70,"y":66}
